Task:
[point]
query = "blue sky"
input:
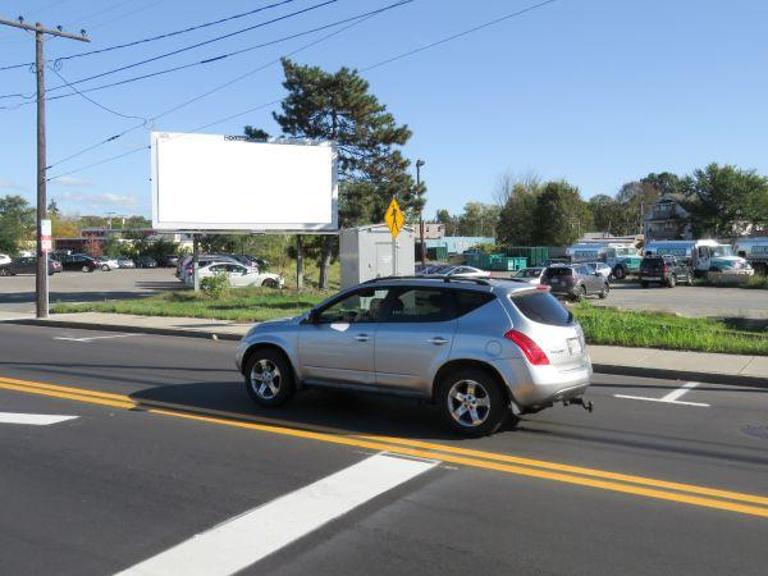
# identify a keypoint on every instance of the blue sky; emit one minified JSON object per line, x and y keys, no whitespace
{"x":598,"y":92}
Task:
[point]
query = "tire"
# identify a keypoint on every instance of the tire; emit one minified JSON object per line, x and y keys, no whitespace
{"x":582,"y":294}
{"x":270,"y":283}
{"x":603,"y":294}
{"x":672,"y":281}
{"x":4,"y":272}
{"x":467,"y":389}
{"x":85,"y":269}
{"x":279,"y":387}
{"x":105,"y":268}
{"x":619,"y":272}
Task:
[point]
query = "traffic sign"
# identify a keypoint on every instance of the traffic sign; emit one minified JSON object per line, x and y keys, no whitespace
{"x":394,"y":218}
{"x":45,"y":235}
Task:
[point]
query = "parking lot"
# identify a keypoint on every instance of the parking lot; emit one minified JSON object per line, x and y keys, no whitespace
{"x":17,"y":293}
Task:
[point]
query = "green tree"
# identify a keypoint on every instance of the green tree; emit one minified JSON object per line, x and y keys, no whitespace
{"x":608,"y":215}
{"x":518,"y":198}
{"x":726,"y":201}
{"x":479,"y":219}
{"x":17,"y":223}
{"x":450,"y":222}
{"x":339,"y":107}
{"x":560,"y":216}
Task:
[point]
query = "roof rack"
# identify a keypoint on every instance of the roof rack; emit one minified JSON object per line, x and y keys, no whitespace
{"x":447,"y":279}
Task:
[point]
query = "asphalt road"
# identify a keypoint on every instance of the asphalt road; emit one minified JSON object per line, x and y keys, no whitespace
{"x":567,"y":492}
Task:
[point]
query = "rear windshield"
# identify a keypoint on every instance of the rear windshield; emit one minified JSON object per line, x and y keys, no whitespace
{"x":652,"y":263}
{"x":542,"y":307}
{"x":559,"y":271}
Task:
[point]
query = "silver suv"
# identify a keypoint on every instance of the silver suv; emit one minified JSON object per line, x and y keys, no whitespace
{"x":475,"y":347}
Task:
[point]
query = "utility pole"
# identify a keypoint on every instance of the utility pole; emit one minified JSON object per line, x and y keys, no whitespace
{"x":43,"y":225}
{"x":419,"y":164}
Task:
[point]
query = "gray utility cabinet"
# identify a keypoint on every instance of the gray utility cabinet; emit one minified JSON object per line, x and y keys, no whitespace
{"x":369,"y":252}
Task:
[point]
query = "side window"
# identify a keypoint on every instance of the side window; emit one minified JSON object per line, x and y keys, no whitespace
{"x":467,"y":301}
{"x":420,"y":305}
{"x":362,"y":306}
{"x":218,"y":268}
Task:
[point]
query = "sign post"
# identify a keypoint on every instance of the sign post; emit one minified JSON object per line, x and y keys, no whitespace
{"x":395,"y":220}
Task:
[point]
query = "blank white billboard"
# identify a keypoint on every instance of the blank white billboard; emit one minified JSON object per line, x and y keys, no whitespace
{"x":214,"y":182}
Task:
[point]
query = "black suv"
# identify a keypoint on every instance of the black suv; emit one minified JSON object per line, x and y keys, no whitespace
{"x":79,"y":262}
{"x":665,"y":270}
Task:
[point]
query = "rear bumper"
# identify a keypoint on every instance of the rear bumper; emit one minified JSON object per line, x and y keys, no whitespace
{"x":540,"y":386}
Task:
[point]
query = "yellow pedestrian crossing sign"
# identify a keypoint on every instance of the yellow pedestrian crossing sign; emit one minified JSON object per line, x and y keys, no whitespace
{"x":394,"y":218}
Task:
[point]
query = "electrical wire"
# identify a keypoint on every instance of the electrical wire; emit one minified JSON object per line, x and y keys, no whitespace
{"x":192,"y":46}
{"x":356,"y":20}
{"x":159,"y":36}
{"x":230,"y":54}
{"x":370,"y":67}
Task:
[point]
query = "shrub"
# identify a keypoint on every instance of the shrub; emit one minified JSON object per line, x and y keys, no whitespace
{"x":216,"y":287}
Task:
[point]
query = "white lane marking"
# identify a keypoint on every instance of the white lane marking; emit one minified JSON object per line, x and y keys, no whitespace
{"x":32,"y":419}
{"x":671,"y":398}
{"x":90,"y":338}
{"x":245,"y":539}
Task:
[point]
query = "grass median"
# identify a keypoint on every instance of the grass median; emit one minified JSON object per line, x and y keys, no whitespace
{"x":607,"y":326}
{"x":613,"y":327}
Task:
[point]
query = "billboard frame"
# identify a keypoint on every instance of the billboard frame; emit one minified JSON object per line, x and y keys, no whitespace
{"x":331,"y":228}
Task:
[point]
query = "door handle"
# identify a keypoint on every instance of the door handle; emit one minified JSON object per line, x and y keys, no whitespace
{"x":362,"y":337}
{"x":438,"y":341}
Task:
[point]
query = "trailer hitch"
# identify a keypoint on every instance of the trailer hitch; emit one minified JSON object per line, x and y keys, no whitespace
{"x":579,"y":401}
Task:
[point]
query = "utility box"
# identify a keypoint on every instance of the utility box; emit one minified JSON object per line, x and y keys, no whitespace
{"x":370,"y":252}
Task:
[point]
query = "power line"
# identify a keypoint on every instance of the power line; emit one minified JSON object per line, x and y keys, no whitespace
{"x":228,"y":54}
{"x":370,"y":67}
{"x":457,"y":35}
{"x":192,"y":46}
{"x":159,"y":36}
{"x":355,"y":20}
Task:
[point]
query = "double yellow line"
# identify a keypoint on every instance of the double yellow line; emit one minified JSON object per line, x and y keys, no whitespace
{"x":691,"y":494}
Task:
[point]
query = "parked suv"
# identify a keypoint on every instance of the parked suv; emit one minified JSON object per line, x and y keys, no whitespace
{"x":575,"y":282}
{"x":79,"y":262}
{"x":666,"y":270}
{"x":474,"y":347}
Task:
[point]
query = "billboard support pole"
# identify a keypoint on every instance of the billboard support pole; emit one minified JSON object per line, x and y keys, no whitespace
{"x":196,"y":261}
{"x":299,"y":263}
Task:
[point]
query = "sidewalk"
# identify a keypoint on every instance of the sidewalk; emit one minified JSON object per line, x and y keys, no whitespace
{"x":641,"y":362}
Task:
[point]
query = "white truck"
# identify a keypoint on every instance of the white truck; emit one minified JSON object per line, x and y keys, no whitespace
{"x":623,"y":259}
{"x":703,"y":256}
{"x":755,"y":251}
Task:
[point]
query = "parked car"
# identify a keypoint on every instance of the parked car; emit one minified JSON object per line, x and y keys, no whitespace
{"x":666,"y":270}
{"x":529,"y":275}
{"x":450,"y":271}
{"x":126,"y":263}
{"x":428,"y":338}
{"x":601,"y":267}
{"x":106,"y":263}
{"x":184,"y":270}
{"x":27,"y":265}
{"x":145,"y":262}
{"x":81,"y":262}
{"x":575,"y":282}
{"x":239,"y":275}
{"x":170,"y":261}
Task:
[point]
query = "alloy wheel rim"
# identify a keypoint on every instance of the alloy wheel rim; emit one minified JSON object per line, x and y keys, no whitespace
{"x":265,"y":379}
{"x":469,"y":403}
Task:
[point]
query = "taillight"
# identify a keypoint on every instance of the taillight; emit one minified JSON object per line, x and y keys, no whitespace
{"x":666,"y":268}
{"x":532,"y":351}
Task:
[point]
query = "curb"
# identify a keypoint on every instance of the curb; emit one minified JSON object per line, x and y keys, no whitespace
{"x":668,"y":374}
{"x":661,"y":373}
{"x":128,"y":329}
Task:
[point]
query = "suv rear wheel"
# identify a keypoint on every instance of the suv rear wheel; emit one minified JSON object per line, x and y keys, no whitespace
{"x":672,"y":281}
{"x":269,"y":378}
{"x":471,"y":402}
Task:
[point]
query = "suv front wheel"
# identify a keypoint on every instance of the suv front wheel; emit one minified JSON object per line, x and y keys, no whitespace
{"x":269,"y":378}
{"x":471,"y":402}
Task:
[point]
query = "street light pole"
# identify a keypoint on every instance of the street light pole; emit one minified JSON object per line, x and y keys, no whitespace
{"x":419,"y":164}
{"x":41,"y":280}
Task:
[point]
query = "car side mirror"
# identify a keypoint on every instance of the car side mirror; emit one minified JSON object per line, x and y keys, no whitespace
{"x":313,"y":317}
